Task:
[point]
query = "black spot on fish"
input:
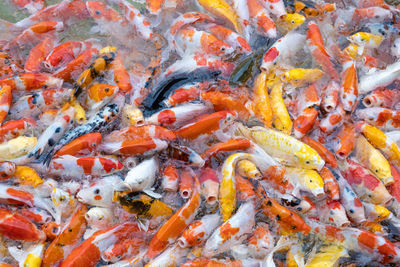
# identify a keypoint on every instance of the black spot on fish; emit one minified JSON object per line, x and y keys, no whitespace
{"x":51,"y":142}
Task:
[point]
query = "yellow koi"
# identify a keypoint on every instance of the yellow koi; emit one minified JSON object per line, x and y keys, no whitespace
{"x":308,"y":180}
{"x":366,"y":39}
{"x":17,"y":147}
{"x":27,"y":176}
{"x":280,"y":115}
{"x":301,"y":77}
{"x":222,"y":9}
{"x":327,"y":256}
{"x":381,"y":141}
{"x":247,"y":168}
{"x":261,"y":105}
{"x":371,"y":158}
{"x":290,"y":22}
{"x":80,"y":115}
{"x":283,"y":147}
{"x":132,"y":115}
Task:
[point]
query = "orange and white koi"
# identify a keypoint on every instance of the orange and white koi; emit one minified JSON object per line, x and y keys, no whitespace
{"x":330,"y":98}
{"x":331,"y":186}
{"x":32,"y":105}
{"x":345,"y":141}
{"x":139,"y":22}
{"x":64,"y":11}
{"x":12,"y":129}
{"x":308,"y":111}
{"x":275,"y":7}
{"x":140,"y":146}
{"x":35,"y":34}
{"x":230,"y":231}
{"x":121,"y":75}
{"x":89,"y":252}
{"x":236,"y":41}
{"x":209,"y":186}
{"x":317,"y":48}
{"x":190,"y":40}
{"x":170,"y":179}
{"x":32,"y":81}
{"x":333,"y":120}
{"x":349,"y":87}
{"x":38,"y":54}
{"x":199,"y":231}
{"x":81,"y":146}
{"x":63,"y":54}
{"x":17,"y":227}
{"x":67,"y":239}
{"x":186,"y":93}
{"x":72,"y":70}
{"x":207,"y":125}
{"x":175,"y":225}
{"x":260,"y":17}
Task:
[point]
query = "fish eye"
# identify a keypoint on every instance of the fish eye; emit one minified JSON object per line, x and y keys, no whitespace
{"x":376,"y":170}
{"x":222,"y":48}
{"x":107,"y":89}
{"x":62,"y":198}
{"x":292,"y":21}
{"x":98,"y":12}
{"x":307,"y":162}
{"x":97,"y":191}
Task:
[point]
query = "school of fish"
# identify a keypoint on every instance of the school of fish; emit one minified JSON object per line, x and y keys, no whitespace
{"x":200,"y":133}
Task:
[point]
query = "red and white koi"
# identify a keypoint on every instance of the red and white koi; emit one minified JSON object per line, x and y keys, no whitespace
{"x":367,"y":186}
{"x":178,"y":115}
{"x":382,"y":118}
{"x":384,"y":98}
{"x":282,"y":49}
{"x":70,"y":166}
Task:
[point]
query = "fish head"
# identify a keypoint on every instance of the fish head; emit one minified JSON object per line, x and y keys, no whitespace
{"x":98,"y":217}
{"x":97,"y":194}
